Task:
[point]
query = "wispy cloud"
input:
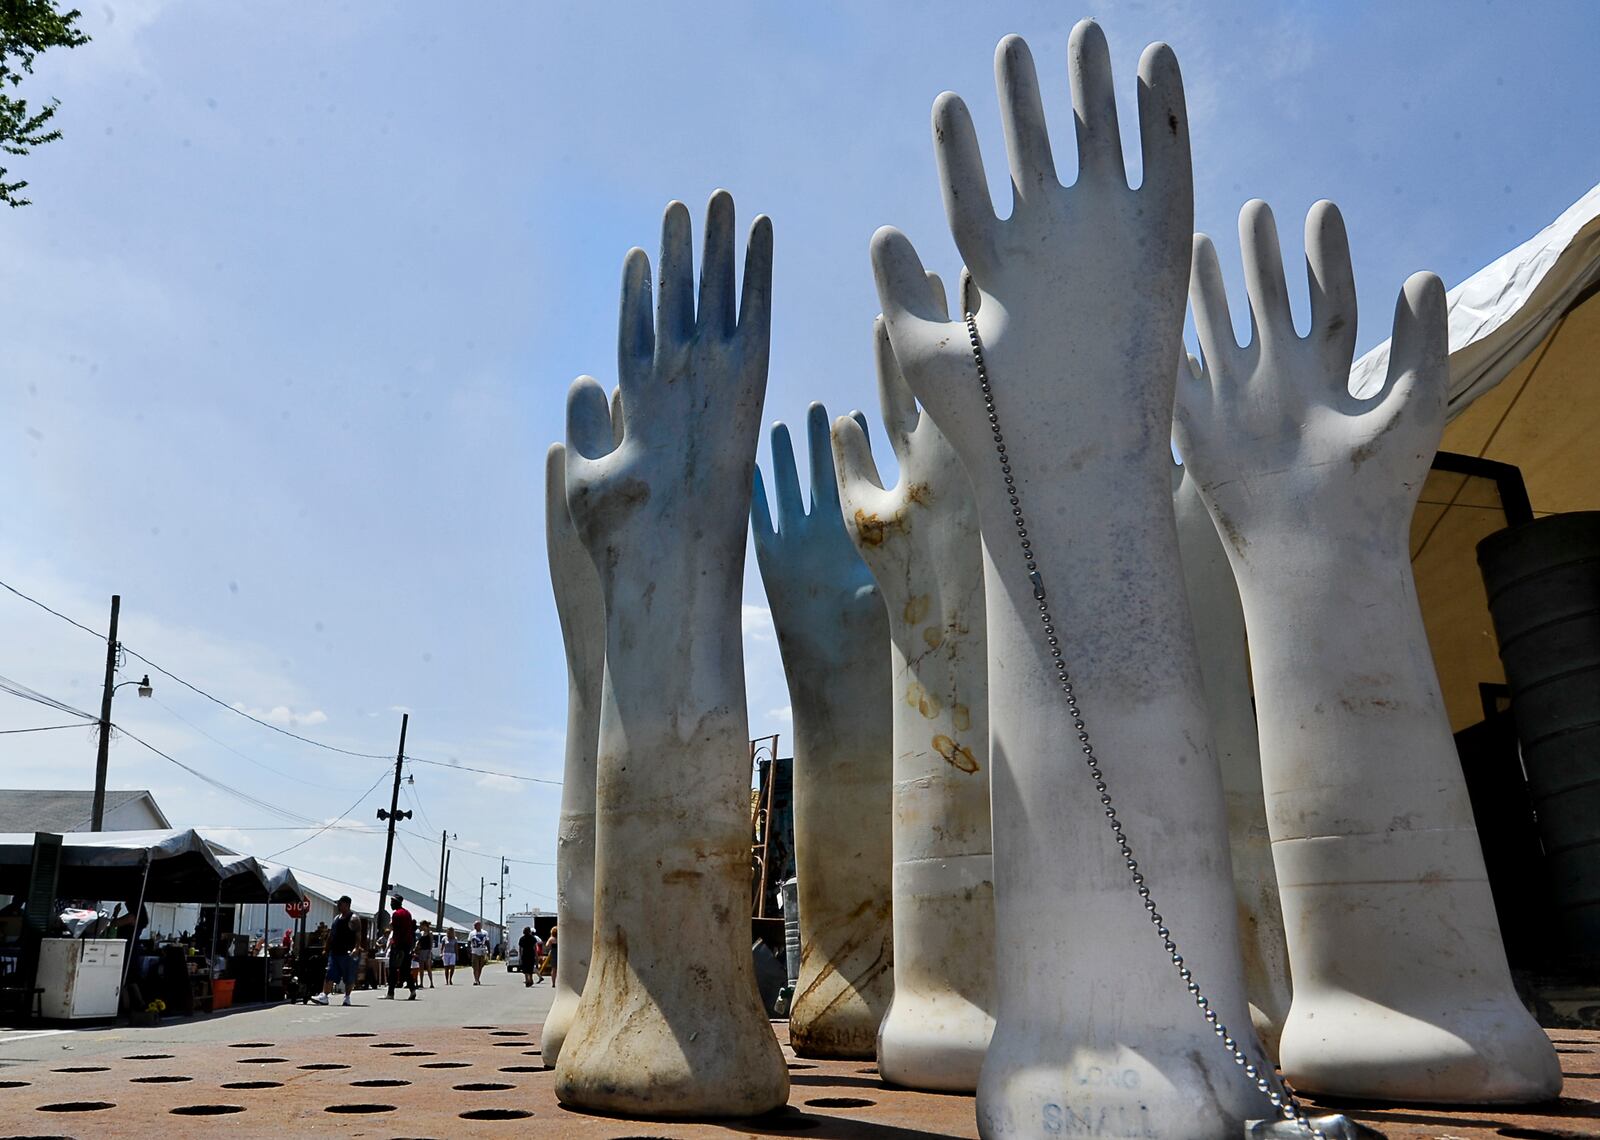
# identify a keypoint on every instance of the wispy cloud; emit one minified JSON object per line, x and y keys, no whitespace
{"x":285,"y":716}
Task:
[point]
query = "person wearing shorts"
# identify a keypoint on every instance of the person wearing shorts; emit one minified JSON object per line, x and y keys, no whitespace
{"x":341,"y":962}
{"x":447,"y":955}
{"x":478,"y":948}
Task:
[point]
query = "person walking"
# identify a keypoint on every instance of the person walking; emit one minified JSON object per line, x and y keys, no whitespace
{"x":547,"y":967}
{"x":528,"y":956}
{"x":478,"y":950}
{"x":402,"y":937}
{"x":425,"y":953}
{"x":447,"y":955}
{"x":341,"y":962}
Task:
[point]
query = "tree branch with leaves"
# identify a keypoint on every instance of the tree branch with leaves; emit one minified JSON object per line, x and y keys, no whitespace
{"x":28,"y":27}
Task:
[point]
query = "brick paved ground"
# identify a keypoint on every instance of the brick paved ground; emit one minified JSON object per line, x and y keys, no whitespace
{"x":466,"y":1062}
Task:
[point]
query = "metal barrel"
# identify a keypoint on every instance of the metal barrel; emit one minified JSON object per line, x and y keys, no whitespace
{"x":791,"y":928}
{"x":1543,"y":583}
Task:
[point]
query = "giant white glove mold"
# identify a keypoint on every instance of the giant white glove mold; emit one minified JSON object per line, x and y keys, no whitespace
{"x":1081,"y":320}
{"x":920,"y":540}
{"x":670,"y":1025}
{"x":1219,"y":635}
{"x":834,"y":639}
{"x":581,"y":611}
{"x":1401,"y":989}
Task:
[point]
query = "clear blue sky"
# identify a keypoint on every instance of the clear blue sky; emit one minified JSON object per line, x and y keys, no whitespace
{"x":290,"y":324}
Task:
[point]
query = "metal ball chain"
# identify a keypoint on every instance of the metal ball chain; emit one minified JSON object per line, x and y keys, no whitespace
{"x":1266,"y":1080}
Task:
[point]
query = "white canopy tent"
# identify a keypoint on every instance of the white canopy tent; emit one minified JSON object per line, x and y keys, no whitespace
{"x":113,"y":865}
{"x":1525,"y":394}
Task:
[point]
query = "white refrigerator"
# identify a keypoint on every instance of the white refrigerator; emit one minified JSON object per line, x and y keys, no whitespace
{"x":82,"y":977}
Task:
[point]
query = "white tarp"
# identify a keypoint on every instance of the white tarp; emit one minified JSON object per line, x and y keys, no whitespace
{"x":1502,"y":312}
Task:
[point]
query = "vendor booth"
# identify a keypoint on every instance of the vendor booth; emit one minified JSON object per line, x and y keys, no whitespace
{"x":111,"y":964}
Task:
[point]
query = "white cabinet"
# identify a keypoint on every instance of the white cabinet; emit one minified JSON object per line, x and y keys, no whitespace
{"x":81,"y":977}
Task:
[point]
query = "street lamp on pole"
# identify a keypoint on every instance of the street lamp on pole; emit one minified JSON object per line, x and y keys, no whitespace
{"x":97,"y":816}
{"x":501,"y":885}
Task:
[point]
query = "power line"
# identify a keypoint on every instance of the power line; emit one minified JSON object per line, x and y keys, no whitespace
{"x":354,"y":828}
{"x":196,"y":688}
{"x":416,"y":802}
{"x":467,"y":850}
{"x":241,"y":755}
{"x":240,"y":712}
{"x":48,"y":610}
{"x":336,"y":819}
{"x":226,"y":789}
{"x":420,"y":868}
{"x":18,"y":689}
{"x":480,"y":771}
{"x":247,"y":716}
{"x":41,"y":728}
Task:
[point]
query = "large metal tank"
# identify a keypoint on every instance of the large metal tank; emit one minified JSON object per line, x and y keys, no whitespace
{"x":1543,"y":582}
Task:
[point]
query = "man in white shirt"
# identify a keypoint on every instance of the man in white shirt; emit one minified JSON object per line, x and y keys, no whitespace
{"x":478,"y":948}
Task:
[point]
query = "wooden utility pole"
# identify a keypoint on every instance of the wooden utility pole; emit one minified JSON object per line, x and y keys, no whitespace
{"x":443,"y":851}
{"x":444,"y":888}
{"x":393,"y":814}
{"x":102,"y":760}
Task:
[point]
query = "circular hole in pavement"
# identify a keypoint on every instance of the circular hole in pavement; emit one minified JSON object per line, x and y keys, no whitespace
{"x":206,"y":1109}
{"x":251,"y":1045}
{"x":148,"y":1057}
{"x":509,"y":1044}
{"x":355,"y":1034}
{"x":483,"y":1086}
{"x":83,"y":1069}
{"x":445,"y":1065}
{"x":496,"y":1114}
{"x":416,"y":1053}
{"x":390,"y":1045}
{"x":480,"y":1027}
{"x":509,"y":1033}
{"x":533,"y":1053}
{"x":379,"y":1083}
{"x":162,"y":1080}
{"x":840,"y":1102}
{"x":359,"y":1109}
{"x":253,"y":1085}
{"x":319,"y":1065}
{"x":263,"y":1060}
{"x":77,"y":1106}
{"x":13,"y":1084}
{"x":522,"y":1069}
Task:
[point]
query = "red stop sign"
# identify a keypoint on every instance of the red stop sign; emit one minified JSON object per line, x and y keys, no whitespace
{"x":298,"y":909}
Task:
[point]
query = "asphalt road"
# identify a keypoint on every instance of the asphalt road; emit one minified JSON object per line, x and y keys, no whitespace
{"x":501,"y":1000}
